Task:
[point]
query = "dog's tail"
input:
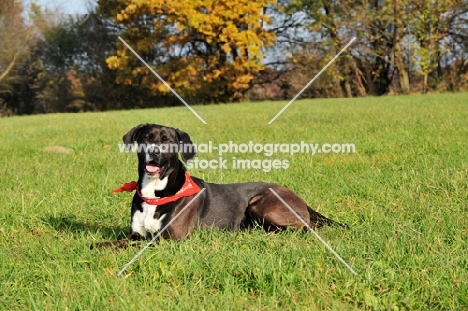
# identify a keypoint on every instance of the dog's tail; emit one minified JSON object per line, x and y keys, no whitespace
{"x":319,"y":220}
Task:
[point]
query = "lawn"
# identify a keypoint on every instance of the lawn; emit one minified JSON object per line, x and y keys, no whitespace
{"x":404,"y":194}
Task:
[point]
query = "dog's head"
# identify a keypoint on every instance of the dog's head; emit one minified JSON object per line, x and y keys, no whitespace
{"x":158,"y":148}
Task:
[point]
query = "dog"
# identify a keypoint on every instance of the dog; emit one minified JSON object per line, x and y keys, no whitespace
{"x":167,"y":196}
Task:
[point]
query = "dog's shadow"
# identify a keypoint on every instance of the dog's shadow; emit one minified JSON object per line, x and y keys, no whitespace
{"x":70,"y":223}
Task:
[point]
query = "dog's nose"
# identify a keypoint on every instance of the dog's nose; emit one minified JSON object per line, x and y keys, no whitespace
{"x":154,"y":149}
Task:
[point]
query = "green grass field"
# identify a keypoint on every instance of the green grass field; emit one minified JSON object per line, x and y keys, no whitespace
{"x":404,"y":194}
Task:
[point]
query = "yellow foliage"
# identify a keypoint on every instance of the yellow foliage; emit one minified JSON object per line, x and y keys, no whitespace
{"x":131,"y":8}
{"x":113,"y":62}
{"x":228,"y":31}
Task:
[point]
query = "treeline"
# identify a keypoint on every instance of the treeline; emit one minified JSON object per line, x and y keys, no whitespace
{"x":226,"y":51}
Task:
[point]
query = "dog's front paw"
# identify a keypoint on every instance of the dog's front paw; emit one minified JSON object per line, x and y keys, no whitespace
{"x":135,"y":236}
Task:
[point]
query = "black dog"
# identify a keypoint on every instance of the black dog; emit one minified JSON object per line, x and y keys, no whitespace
{"x":164,"y":189}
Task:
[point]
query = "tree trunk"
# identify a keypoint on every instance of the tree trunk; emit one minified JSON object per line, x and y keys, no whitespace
{"x":397,"y":45}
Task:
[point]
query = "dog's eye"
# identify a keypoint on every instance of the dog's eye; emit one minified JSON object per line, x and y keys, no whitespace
{"x":150,"y":136}
{"x":164,"y":139}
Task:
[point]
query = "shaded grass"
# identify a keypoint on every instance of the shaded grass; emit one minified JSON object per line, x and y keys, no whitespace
{"x":404,"y":194}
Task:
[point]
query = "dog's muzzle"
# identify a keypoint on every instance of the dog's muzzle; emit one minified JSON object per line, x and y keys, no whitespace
{"x":153,"y":152}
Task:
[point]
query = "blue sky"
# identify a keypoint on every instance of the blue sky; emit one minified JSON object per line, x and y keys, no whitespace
{"x":65,"y":6}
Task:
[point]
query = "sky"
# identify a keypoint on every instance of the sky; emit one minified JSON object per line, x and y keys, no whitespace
{"x":65,"y":6}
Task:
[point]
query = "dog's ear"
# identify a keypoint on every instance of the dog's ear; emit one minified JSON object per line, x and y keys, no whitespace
{"x":185,"y":142}
{"x":132,"y":135}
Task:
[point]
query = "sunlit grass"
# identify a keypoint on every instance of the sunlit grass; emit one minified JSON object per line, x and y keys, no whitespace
{"x":404,"y":194}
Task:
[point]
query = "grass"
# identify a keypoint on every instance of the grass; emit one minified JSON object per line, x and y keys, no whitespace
{"x":404,"y":194}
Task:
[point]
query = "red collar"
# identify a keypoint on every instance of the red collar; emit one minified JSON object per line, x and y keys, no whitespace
{"x":188,"y":188}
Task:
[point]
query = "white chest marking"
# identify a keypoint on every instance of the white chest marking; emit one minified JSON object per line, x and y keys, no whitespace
{"x":143,"y":222}
{"x":151,"y":184}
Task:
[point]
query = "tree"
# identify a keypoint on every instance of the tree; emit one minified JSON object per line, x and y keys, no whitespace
{"x":207,"y":50}
{"x":399,"y":42}
{"x":14,"y":47}
{"x":330,"y":25}
{"x":431,"y":26}
{"x":398,"y":34}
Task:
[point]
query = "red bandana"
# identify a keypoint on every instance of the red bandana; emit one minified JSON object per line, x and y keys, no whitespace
{"x":188,"y":188}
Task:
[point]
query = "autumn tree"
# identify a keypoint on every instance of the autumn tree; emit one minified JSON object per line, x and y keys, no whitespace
{"x":329,"y":27}
{"x":431,"y":25}
{"x":207,"y":50}
{"x":69,"y":66}
{"x":400,"y":44}
{"x":14,"y":47}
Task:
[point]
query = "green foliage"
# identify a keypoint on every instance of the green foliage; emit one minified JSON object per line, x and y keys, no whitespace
{"x":404,"y":195}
